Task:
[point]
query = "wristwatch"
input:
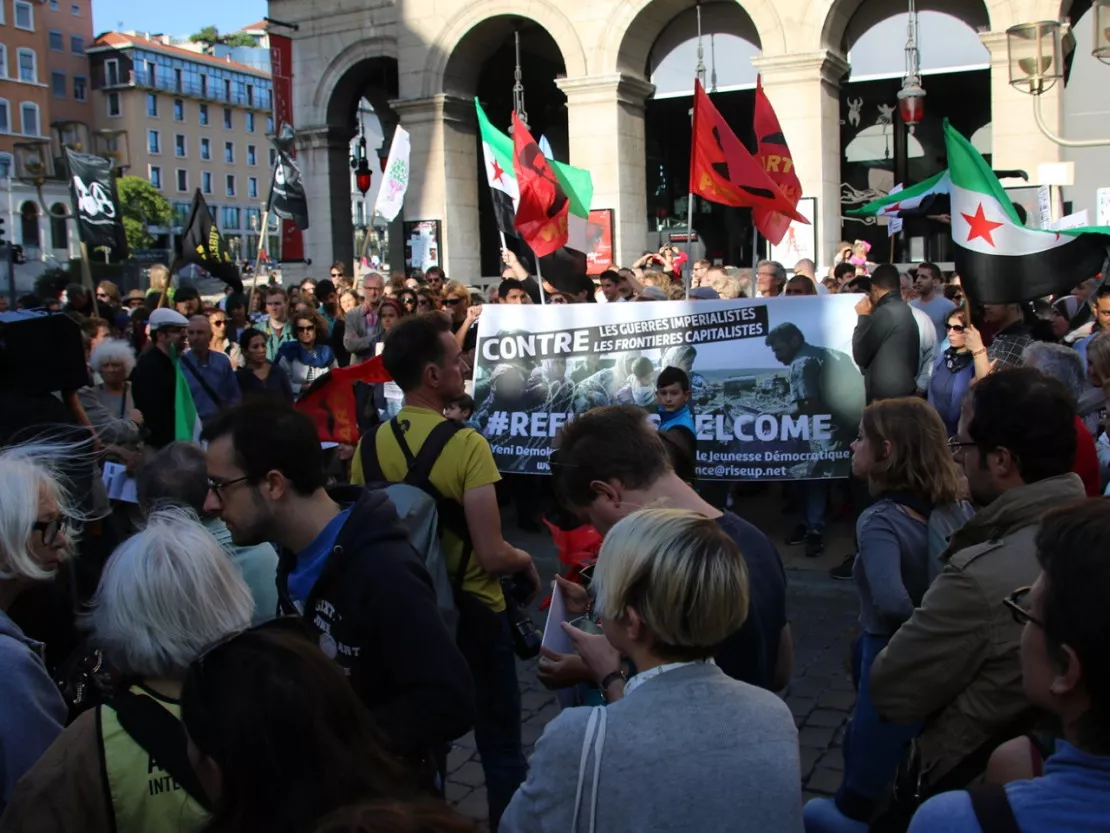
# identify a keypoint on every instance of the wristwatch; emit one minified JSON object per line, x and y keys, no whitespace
{"x":609,"y":679}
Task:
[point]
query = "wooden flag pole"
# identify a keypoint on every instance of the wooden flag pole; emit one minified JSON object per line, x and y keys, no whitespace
{"x":755,"y":247}
{"x":539,"y":275}
{"x":689,"y":243}
{"x":263,"y":231}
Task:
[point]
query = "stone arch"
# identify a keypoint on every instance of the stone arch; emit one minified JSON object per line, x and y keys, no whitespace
{"x":637,"y":25}
{"x":842,"y":24}
{"x":345,"y":66}
{"x":454,"y":36}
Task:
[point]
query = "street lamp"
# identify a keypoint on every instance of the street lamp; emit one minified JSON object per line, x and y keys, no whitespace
{"x":911,"y":98}
{"x":358,"y":162}
{"x":1036,"y":58}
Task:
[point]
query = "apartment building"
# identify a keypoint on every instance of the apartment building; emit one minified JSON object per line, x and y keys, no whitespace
{"x":43,"y":81}
{"x":192,"y":120}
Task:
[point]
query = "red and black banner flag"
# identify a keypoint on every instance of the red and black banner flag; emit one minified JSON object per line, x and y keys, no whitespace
{"x":774,"y":154}
{"x":541,"y":216}
{"x":330,"y":402}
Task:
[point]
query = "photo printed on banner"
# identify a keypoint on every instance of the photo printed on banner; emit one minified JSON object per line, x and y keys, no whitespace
{"x":774,"y":393}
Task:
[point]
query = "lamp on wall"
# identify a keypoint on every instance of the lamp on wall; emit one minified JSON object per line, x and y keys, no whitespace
{"x":1036,"y":58}
{"x":359,"y":165}
{"x":911,"y":98}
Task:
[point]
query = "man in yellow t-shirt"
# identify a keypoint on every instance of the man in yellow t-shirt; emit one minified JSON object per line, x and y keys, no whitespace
{"x":422,"y":356}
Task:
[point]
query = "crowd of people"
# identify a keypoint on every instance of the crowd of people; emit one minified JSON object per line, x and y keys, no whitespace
{"x":274,"y":636}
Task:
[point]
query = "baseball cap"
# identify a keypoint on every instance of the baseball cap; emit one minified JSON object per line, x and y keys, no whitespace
{"x":704,"y":293}
{"x":164,"y":317}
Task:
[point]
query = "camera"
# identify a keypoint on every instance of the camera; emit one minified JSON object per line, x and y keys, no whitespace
{"x":527,"y":638}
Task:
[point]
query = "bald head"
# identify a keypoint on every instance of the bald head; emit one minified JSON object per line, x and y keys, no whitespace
{"x":805,"y":266}
{"x":199,"y":333}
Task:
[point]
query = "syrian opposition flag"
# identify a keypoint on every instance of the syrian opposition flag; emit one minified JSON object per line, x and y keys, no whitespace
{"x":186,"y":423}
{"x":497,"y":151}
{"x":926,"y":199}
{"x":999,"y":260}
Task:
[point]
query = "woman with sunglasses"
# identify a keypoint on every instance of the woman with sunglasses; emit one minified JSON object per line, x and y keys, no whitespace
{"x":34,"y":543}
{"x":427,"y":300}
{"x":407,"y":297}
{"x":222,"y":342}
{"x":258,"y":376}
{"x":166,"y":594}
{"x":902,"y":453}
{"x":273,"y":683}
{"x":310,"y":356}
{"x":956,"y":368}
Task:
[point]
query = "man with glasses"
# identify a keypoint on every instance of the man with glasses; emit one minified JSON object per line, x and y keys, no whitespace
{"x":277,"y":328}
{"x":435,"y":278}
{"x":956,"y":663}
{"x":348,"y":569}
{"x":363,"y":325}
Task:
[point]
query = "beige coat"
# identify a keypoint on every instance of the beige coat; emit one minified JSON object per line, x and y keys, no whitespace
{"x":956,"y":663}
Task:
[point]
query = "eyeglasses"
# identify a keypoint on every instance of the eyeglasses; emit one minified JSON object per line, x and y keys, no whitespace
{"x":217,"y":486}
{"x":49,"y":530}
{"x":306,"y":329}
{"x":452,"y":301}
{"x":219,"y":322}
{"x":336,"y":275}
{"x":955,"y":328}
{"x":1016,"y":602}
{"x":423,"y":302}
{"x":100,"y":296}
{"x":957,"y":447}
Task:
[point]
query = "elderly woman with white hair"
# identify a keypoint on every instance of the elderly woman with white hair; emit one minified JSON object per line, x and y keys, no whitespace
{"x":109,"y":404}
{"x":34,"y":541}
{"x":166,"y":595}
{"x":681,"y":745}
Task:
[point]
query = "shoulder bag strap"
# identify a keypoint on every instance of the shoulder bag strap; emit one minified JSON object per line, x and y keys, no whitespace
{"x":992,"y":809}
{"x":400,"y":436}
{"x":371,"y":466}
{"x":215,"y":397}
{"x":595,"y":738}
{"x":162,"y":736}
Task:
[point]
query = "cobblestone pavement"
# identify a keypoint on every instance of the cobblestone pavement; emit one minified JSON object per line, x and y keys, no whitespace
{"x":822,"y":613}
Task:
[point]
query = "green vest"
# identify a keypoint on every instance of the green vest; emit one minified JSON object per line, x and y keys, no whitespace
{"x":144,"y":796}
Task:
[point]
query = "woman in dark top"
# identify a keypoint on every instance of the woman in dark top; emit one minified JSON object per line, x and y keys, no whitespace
{"x":258,"y":376}
{"x":952,"y":372}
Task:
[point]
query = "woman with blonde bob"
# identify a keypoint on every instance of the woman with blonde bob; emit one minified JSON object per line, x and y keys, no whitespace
{"x":902,"y":452}
{"x":166,"y":594}
{"x":685,"y":746}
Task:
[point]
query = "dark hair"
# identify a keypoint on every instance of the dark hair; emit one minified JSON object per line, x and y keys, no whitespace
{"x":290,"y":736}
{"x":508,"y":284}
{"x":680,"y":453}
{"x":324,"y":288}
{"x":612,"y":275}
{"x":340,"y":266}
{"x":886,"y":276}
{"x":937,"y":274}
{"x":1102,"y":292}
{"x":275,"y":289}
{"x":673,"y":376}
{"x":268,"y":435}
{"x":235,"y":300}
{"x":787,"y":331}
{"x":1071,"y":551}
{"x":435,"y":270}
{"x":465,"y":402}
{"x":413,"y":344}
{"x":843,"y":270}
{"x":1003,"y":403}
{"x":248,"y":334}
{"x":615,"y":442}
{"x":185,"y":293}
{"x":862,"y":283}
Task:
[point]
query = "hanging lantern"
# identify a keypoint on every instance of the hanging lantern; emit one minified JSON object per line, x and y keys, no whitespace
{"x":360,"y":166}
{"x":911,"y":98}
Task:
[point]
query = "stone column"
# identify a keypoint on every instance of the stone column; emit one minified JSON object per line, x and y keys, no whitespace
{"x":443,"y":183}
{"x":1016,"y":142}
{"x":804,"y":89}
{"x":323,"y":154}
{"x":605,"y":120}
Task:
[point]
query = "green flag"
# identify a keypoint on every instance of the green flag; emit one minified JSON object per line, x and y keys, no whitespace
{"x":186,"y":423}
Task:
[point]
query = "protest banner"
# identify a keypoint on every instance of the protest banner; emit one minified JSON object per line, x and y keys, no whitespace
{"x":775,"y":394}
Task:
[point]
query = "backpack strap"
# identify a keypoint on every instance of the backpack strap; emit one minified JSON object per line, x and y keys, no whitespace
{"x":162,"y":736}
{"x":992,"y":809}
{"x":368,"y":452}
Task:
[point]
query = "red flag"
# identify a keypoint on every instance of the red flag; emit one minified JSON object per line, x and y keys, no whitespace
{"x":722,"y":170}
{"x":774,"y":155}
{"x":330,"y":402}
{"x":541,"y":214}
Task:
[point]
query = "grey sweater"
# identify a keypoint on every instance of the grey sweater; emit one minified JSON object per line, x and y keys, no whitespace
{"x":689,"y":750}
{"x":893,"y":569}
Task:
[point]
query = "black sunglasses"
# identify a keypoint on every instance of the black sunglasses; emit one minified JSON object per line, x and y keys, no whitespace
{"x":217,"y":486}
{"x":956,"y":328}
{"x":452,"y":301}
{"x":1016,"y":603}
{"x":306,"y":329}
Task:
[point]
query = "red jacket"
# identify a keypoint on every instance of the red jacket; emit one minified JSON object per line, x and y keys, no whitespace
{"x":1086,"y":460}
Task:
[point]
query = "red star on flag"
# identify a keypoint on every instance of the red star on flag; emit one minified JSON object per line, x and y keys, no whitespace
{"x":497,"y":171}
{"x":893,"y":208}
{"x":980,"y":225}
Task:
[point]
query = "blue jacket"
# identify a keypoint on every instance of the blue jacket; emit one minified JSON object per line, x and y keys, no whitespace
{"x":33,"y":711}
{"x":220,"y":376}
{"x":682,"y":418}
{"x":947,"y":388}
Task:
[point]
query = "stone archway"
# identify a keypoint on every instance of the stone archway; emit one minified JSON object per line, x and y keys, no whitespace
{"x":846,"y":20}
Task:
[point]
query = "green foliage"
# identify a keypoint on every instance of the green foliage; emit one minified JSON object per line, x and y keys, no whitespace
{"x":143,"y":205}
{"x":239,"y":39}
{"x":209,"y":35}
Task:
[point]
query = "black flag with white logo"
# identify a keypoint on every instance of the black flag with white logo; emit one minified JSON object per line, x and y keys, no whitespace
{"x":202,"y":244}
{"x":96,"y":203}
{"x":288,"y":197}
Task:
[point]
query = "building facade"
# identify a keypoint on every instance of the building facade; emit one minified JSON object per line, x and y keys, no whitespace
{"x":593,"y":77}
{"x":193,"y":121}
{"x":43,"y":82}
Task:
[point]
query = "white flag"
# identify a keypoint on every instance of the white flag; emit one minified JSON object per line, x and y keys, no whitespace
{"x":391,"y":194}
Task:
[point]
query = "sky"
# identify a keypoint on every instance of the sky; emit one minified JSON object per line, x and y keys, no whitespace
{"x":176,"y":18}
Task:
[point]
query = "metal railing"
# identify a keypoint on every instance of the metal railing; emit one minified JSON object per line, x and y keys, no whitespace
{"x":260,"y":99}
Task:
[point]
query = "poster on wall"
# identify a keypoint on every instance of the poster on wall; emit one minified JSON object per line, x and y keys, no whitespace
{"x":599,"y":241}
{"x":800,"y":240}
{"x":775,"y":394}
{"x":423,"y":247}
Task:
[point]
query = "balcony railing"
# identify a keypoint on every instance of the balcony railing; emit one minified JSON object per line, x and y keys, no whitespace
{"x":261,"y":99}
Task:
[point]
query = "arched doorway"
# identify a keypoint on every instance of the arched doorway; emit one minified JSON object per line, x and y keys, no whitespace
{"x":877,"y":152}
{"x":729,"y":42}
{"x":29,"y":225}
{"x":59,"y":235}
{"x":483,"y":65}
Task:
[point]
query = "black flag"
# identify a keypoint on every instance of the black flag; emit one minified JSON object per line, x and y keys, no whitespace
{"x":288,"y":199}
{"x":96,"y":203}
{"x":203,"y":245}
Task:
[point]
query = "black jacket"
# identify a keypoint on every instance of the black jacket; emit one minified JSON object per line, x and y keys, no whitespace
{"x":154,"y":386}
{"x":374,"y":611}
{"x":887,"y":347}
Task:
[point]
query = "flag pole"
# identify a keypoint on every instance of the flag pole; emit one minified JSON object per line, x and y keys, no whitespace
{"x":699,"y":77}
{"x":265,"y":227}
{"x":689,"y":243}
{"x":755,"y":243}
{"x":539,"y":274}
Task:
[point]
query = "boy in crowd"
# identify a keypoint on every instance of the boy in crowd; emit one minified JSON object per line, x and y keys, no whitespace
{"x":462,"y":410}
{"x":676,"y":418}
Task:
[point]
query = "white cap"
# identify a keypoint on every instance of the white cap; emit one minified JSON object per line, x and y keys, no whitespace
{"x":166,"y":317}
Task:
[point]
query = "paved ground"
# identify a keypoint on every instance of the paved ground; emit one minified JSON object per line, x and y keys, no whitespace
{"x":822,"y":613}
